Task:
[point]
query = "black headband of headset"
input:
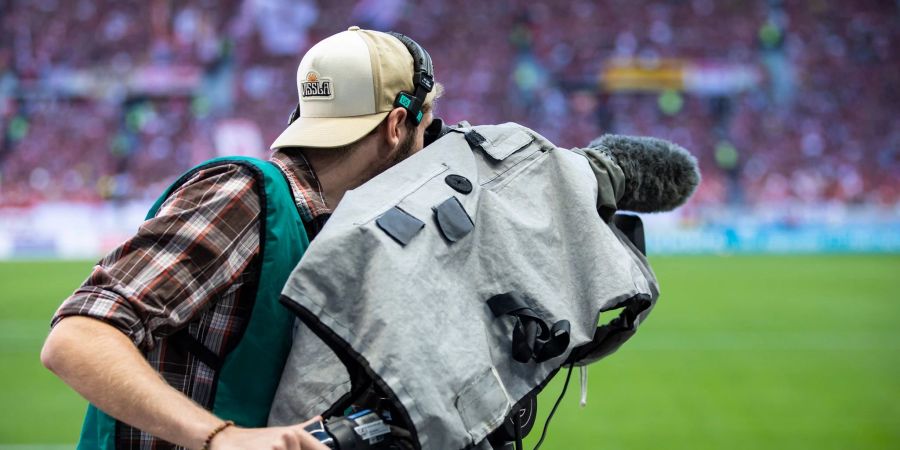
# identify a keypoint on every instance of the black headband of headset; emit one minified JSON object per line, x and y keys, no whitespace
{"x":423,"y":80}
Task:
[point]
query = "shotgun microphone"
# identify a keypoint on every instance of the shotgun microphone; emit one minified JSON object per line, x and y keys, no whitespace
{"x":659,"y":175}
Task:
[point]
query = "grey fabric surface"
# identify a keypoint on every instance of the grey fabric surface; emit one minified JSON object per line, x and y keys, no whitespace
{"x":417,"y":312}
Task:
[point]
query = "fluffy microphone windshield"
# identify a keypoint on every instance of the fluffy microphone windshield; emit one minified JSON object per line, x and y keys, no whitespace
{"x":659,"y":175}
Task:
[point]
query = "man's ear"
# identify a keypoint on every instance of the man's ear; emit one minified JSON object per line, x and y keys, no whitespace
{"x":394,"y":123}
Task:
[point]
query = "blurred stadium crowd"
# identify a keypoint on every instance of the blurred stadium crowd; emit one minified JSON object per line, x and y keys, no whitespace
{"x":110,"y":100}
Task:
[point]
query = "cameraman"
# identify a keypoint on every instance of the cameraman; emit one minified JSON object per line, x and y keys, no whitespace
{"x":192,"y":271}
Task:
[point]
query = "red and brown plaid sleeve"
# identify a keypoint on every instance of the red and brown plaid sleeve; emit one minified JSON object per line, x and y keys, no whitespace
{"x":200,"y":243}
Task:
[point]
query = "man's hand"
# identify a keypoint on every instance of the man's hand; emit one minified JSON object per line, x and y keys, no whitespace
{"x":273,"y":438}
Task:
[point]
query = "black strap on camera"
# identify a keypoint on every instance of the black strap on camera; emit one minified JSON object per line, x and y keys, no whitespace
{"x":532,"y":337}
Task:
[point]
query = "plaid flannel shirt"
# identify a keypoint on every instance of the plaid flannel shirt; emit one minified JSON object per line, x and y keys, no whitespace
{"x":195,"y":267}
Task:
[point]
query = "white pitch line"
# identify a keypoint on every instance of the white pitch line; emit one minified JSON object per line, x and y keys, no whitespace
{"x":18,"y":334}
{"x":766,"y":340}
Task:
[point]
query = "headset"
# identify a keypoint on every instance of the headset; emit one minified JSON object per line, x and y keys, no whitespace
{"x":423,"y":81}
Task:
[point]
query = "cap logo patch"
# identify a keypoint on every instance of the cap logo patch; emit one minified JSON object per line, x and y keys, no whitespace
{"x":316,"y":87}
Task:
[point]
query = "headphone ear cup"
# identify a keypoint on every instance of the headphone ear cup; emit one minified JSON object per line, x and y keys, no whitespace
{"x":411,"y":104}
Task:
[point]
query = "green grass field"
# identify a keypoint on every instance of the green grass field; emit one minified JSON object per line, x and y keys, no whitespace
{"x":750,"y":352}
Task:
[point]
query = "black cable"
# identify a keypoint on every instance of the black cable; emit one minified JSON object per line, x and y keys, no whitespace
{"x":518,"y":427}
{"x":555,"y":405}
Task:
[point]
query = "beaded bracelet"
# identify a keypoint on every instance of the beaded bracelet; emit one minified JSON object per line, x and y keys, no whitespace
{"x":213,"y":433}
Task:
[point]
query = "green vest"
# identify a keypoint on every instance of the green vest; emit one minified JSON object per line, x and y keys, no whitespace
{"x":249,"y":374}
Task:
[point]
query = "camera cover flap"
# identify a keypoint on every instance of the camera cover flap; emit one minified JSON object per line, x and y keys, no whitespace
{"x":416,"y":317}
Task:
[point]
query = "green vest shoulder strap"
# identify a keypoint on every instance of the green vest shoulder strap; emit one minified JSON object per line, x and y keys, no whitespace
{"x":249,"y":373}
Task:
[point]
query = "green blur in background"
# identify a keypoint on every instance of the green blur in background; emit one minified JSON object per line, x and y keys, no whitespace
{"x":748,"y":352}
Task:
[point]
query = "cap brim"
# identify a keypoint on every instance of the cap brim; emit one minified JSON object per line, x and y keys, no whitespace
{"x":327,"y":132}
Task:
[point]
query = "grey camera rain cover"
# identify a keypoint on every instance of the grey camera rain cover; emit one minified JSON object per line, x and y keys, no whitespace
{"x":399,"y":279}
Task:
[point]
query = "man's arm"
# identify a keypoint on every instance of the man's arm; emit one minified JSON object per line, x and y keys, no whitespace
{"x":104,"y":366}
{"x":200,"y":243}
{"x":83,"y":351}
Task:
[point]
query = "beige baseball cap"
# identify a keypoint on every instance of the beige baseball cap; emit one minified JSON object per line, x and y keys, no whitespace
{"x":347,"y":84}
